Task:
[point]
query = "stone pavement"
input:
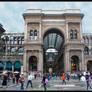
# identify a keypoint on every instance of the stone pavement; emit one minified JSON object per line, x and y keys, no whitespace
{"x":72,"y":85}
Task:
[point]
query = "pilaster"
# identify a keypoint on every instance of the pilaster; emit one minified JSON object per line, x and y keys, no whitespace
{"x":40,"y":62}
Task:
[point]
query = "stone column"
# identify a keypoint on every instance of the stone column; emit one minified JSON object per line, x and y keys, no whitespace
{"x":80,"y":64}
{"x":67,"y":32}
{"x":12,"y":67}
{"x":85,"y":65}
{"x":81,"y":37}
{"x":67,"y":64}
{"x":40,"y":32}
{"x":5,"y":65}
{"x":40,"y":62}
{"x":25,"y":32}
{"x":22,"y":69}
{"x":25,"y":62}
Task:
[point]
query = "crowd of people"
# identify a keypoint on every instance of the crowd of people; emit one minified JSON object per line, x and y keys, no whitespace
{"x":18,"y":78}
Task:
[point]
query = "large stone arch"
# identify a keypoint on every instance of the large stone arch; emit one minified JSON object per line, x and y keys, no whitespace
{"x":46,"y":29}
{"x":59,"y":32}
{"x":46,"y":21}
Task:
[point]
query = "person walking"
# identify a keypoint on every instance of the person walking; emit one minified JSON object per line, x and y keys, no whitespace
{"x":22,"y":82}
{"x":79,"y":76}
{"x":87,"y":81}
{"x":13,"y":79}
{"x":30,"y":77}
{"x":44,"y":82}
{"x":4,"y":83}
{"x":67,"y":76}
{"x":63,"y":78}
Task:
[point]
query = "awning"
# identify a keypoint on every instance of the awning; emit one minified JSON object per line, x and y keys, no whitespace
{"x":1,"y":65}
{"x":9,"y":65}
{"x":17,"y":64}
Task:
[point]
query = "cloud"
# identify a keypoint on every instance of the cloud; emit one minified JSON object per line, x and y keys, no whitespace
{"x":11,"y":12}
{"x":2,"y":5}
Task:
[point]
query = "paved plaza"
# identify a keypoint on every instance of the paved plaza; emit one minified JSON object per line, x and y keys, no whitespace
{"x":54,"y":84}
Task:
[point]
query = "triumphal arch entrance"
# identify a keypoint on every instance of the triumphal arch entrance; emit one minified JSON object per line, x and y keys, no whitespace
{"x":53,"y":41}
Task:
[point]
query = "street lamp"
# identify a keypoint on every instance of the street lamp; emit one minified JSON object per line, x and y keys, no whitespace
{"x":5,"y":38}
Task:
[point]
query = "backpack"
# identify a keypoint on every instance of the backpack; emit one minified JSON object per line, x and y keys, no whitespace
{"x":46,"y":81}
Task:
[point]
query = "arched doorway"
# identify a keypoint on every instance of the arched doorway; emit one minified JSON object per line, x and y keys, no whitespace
{"x":33,"y":63}
{"x":74,"y":63}
{"x":9,"y":65}
{"x":17,"y":66}
{"x":53,"y":51}
{"x":1,"y":66}
{"x":89,"y":66}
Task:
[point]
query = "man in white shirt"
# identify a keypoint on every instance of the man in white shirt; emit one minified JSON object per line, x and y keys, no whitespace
{"x":30,"y":77}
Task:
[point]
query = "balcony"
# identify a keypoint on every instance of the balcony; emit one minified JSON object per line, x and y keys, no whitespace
{"x":4,"y":55}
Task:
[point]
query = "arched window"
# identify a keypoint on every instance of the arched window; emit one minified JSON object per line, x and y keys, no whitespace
{"x":86,"y":51}
{"x":33,"y":63}
{"x":35,"y":34}
{"x":31,"y":34}
{"x":73,"y":34}
{"x":75,"y":63}
{"x":89,"y":65}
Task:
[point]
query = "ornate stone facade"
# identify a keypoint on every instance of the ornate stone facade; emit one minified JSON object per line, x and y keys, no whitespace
{"x":61,"y":20}
{"x":43,"y":27}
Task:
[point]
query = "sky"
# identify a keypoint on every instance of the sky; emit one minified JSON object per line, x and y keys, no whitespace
{"x":12,"y":20}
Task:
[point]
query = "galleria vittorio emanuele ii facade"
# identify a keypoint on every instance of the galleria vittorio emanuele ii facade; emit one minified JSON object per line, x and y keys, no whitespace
{"x":53,"y":41}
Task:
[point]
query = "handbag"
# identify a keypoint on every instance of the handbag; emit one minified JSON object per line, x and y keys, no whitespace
{"x":83,"y":78}
{"x":19,"y":80}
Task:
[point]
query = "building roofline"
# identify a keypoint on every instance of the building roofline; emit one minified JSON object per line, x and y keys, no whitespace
{"x":43,"y":14}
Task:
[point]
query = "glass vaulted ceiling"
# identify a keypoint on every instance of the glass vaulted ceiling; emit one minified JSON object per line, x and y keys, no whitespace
{"x":52,"y":44}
